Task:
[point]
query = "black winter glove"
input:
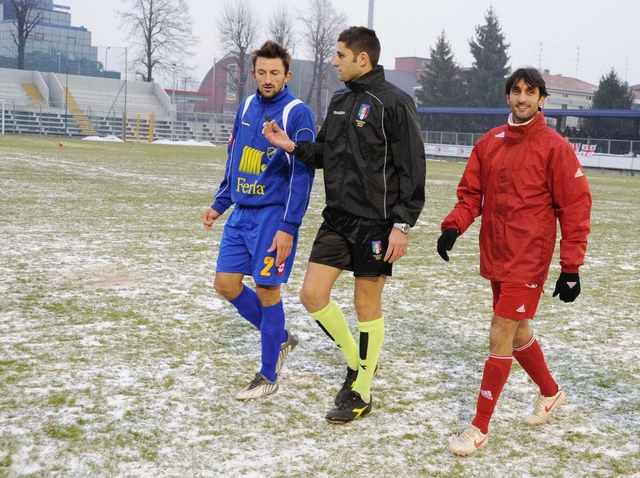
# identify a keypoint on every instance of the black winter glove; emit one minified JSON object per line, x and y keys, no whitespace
{"x":568,"y":286}
{"x":446,"y":241}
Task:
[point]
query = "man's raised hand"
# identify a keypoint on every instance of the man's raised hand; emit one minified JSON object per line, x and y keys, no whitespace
{"x":277,"y":136}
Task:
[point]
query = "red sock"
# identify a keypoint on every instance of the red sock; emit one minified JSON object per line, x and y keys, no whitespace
{"x":532,"y":360}
{"x":496,"y":372}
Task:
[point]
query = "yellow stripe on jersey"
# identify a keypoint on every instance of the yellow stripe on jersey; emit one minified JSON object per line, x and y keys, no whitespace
{"x":251,"y":161}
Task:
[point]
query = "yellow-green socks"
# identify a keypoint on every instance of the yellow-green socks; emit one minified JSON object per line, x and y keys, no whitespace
{"x":331,"y":320}
{"x":371,"y":338}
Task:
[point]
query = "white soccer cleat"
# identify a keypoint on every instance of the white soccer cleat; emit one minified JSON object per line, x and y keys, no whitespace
{"x":259,"y":387}
{"x":543,"y":405}
{"x":285,"y":349}
{"x":470,"y":441}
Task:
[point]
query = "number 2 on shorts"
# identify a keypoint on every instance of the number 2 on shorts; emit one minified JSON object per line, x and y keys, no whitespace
{"x":268,"y":264}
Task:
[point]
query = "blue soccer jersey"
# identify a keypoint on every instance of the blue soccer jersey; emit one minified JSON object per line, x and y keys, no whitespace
{"x":269,"y":187}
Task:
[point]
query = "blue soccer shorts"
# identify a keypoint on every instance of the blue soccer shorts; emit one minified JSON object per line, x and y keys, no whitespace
{"x":246,"y":237}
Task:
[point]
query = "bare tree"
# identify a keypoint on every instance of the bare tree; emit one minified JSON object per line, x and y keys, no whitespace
{"x":161,"y":33}
{"x":28,"y":16}
{"x":322,"y":24}
{"x":281,"y":28}
{"x":238,"y":29}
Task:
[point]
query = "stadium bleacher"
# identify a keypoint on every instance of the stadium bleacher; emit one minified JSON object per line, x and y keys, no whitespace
{"x":60,"y":104}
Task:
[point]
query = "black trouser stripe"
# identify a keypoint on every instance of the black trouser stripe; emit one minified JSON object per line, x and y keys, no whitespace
{"x":325,"y":331}
{"x":364,"y":345}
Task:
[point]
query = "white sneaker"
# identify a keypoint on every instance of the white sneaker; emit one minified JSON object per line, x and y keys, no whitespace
{"x":286,"y":348}
{"x":470,"y":441}
{"x":543,"y":405}
{"x":259,"y":387}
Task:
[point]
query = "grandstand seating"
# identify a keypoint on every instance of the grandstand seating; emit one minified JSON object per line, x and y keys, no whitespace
{"x":56,"y":104}
{"x":79,"y":115}
{"x":34,"y":94}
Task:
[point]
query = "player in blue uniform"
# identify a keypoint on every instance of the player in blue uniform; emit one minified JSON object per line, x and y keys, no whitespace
{"x":270,"y":190}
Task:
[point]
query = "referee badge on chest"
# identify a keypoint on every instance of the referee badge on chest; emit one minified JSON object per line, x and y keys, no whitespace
{"x":376,"y":248}
{"x":363,"y":113}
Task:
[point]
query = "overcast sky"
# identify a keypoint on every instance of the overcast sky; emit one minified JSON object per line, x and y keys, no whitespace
{"x":563,"y":36}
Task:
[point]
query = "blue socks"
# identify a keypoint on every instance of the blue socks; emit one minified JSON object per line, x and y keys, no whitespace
{"x":269,"y":321}
{"x":248,"y":306}
{"x":271,"y":331}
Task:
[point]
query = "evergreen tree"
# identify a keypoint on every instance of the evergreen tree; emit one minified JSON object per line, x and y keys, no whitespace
{"x":490,"y":68}
{"x":612,"y":93}
{"x":441,"y":81}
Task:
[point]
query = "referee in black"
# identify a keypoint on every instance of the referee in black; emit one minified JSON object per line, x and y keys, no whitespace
{"x":371,"y":149}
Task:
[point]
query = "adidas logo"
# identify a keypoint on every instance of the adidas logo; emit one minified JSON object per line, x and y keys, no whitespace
{"x":500,"y":135}
{"x":578,"y":174}
{"x":486,"y":394}
{"x":521,"y":309}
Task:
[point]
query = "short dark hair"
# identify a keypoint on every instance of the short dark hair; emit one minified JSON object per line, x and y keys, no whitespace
{"x":531,"y":77}
{"x":272,"y":49}
{"x":362,"y":39}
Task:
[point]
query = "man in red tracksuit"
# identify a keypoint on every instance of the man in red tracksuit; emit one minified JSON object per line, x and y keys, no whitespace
{"x":521,"y":177}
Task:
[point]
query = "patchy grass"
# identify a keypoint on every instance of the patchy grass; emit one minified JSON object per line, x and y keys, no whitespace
{"x":117,"y":358}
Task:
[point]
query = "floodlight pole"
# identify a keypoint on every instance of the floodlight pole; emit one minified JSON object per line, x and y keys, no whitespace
{"x":126,"y":82}
{"x":66,"y":100}
{"x":173,"y":101}
{"x":370,"y":18}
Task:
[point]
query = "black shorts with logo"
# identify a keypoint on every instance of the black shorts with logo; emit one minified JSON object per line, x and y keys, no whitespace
{"x":352,"y":243}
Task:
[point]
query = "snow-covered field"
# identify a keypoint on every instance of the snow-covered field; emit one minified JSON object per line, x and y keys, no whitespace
{"x":117,"y":358}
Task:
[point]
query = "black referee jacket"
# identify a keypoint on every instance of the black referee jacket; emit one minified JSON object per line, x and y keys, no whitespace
{"x":371,"y":149}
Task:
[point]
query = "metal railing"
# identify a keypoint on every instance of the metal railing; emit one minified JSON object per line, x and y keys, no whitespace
{"x":217,"y":128}
{"x":603,"y":145}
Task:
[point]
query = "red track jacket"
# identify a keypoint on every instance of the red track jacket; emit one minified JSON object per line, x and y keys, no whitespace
{"x":520,"y":179}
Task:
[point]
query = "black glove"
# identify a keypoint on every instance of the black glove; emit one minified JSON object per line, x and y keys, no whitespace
{"x":568,"y":286}
{"x":446,"y":241}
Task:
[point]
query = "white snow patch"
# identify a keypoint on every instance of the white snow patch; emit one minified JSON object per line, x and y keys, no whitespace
{"x":110,"y":138}
{"x":184,"y":143}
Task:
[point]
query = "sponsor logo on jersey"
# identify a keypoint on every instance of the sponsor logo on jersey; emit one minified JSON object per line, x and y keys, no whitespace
{"x":280,"y":269}
{"x":338,"y":112}
{"x":500,"y":135}
{"x":244,"y":123}
{"x":578,"y":174}
{"x":532,"y":286}
{"x":245,"y":187}
{"x":251,"y":161}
